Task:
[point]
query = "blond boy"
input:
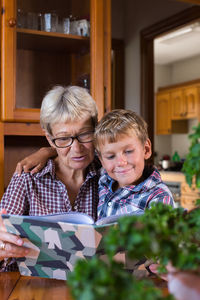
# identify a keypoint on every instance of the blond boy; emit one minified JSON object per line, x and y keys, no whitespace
{"x":127,"y":184}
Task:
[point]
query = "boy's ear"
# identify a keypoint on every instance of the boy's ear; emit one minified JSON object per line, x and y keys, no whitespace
{"x":147,"y":149}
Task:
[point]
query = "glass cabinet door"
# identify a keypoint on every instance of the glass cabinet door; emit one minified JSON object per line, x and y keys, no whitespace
{"x":46,"y":43}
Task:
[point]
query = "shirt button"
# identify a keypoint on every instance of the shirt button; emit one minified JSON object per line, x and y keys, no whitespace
{"x":109,"y":203}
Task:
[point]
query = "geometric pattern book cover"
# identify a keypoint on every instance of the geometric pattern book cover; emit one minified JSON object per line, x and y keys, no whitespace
{"x":55,"y":246}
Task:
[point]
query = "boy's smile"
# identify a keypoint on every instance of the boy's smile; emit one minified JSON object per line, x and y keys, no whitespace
{"x":124,"y":159}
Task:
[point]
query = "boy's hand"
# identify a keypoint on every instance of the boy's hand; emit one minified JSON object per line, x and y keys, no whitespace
{"x":36,"y":161}
{"x":153,"y":268}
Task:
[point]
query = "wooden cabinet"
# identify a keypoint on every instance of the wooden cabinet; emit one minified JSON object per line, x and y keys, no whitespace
{"x":178,"y":105}
{"x":185,"y":103}
{"x":163,"y":113}
{"x":33,"y":60}
{"x":175,"y":105}
{"x":191,"y":95}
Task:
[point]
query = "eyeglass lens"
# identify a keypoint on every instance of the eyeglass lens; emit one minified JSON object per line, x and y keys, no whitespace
{"x":63,"y":142}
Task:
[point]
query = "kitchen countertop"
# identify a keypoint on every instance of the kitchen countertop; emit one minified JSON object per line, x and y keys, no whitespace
{"x":172,"y":176}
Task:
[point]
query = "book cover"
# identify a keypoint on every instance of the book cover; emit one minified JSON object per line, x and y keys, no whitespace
{"x":56,"y":241}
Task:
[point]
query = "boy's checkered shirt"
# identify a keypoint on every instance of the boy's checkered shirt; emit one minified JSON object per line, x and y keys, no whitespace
{"x":132,"y":199}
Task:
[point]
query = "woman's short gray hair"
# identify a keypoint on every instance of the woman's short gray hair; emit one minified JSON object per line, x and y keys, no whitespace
{"x":63,"y":104}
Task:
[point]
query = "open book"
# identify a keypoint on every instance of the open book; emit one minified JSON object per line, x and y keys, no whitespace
{"x":57,"y":241}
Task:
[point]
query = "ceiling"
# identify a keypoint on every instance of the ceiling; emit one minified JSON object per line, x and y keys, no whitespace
{"x":177,"y":45}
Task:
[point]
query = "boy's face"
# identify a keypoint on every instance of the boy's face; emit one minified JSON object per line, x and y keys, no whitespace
{"x":124,"y":159}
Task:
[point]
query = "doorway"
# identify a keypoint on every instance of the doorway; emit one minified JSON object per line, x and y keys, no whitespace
{"x":176,"y":73}
{"x":147,"y":59}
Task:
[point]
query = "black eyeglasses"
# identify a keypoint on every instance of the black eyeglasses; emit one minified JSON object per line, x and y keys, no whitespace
{"x":67,"y":141}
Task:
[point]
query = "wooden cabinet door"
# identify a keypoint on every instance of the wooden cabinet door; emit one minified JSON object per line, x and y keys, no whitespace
{"x":9,"y":109}
{"x":32,"y":61}
{"x":191,"y":97}
{"x":163,"y":113}
{"x":178,"y":103}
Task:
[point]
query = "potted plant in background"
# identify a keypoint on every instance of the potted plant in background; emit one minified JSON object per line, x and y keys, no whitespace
{"x":191,"y":166}
{"x":170,"y":235}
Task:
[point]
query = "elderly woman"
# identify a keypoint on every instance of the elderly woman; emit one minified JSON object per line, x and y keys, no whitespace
{"x":67,"y":182}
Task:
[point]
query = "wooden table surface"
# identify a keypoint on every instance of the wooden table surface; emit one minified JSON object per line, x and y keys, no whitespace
{"x":16,"y":287}
{"x":13,"y":286}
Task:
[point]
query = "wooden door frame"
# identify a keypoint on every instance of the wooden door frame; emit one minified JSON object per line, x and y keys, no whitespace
{"x":147,"y":37}
{"x":118,"y":68}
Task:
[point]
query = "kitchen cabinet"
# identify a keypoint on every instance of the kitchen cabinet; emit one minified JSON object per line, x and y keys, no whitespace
{"x":185,"y":103}
{"x":33,"y":60}
{"x":191,"y":95}
{"x":179,"y":107}
{"x":163,"y":109}
{"x":175,"y":105}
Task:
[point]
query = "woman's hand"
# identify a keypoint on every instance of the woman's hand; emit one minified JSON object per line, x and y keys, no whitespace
{"x":36,"y":161}
{"x":10,"y":245}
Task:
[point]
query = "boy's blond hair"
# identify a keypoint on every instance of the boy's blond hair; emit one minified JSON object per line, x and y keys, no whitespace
{"x":120,"y":122}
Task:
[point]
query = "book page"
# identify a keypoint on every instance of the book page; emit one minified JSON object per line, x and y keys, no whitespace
{"x":67,"y":217}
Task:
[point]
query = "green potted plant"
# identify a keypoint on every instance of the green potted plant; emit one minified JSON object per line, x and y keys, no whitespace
{"x":191,"y":166}
{"x":170,"y":235}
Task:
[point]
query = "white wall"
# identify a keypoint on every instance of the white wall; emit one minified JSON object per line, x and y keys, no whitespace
{"x":163,"y":76}
{"x":186,"y":70}
{"x":140,"y":14}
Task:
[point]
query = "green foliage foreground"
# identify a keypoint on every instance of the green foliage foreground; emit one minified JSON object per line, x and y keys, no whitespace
{"x":96,"y":280}
{"x":162,"y":233}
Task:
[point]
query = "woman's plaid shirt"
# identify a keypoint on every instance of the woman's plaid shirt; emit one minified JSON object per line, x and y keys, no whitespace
{"x":43,"y":193}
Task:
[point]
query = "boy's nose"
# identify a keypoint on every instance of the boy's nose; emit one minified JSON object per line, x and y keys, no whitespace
{"x":122,"y":161}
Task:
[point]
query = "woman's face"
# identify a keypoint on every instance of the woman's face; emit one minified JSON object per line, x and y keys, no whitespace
{"x":78,"y":155}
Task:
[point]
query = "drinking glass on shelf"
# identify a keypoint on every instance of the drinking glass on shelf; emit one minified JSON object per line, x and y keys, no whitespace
{"x":21,"y":18}
{"x":50,"y":22}
{"x":66,"y":25}
{"x":40,"y":21}
{"x":32,"y":20}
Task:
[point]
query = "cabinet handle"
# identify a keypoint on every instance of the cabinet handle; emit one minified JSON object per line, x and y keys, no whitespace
{"x":12,"y":22}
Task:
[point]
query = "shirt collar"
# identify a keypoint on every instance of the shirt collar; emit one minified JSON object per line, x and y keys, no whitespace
{"x":92,"y":170}
{"x":151,"y":175}
{"x":49,"y":168}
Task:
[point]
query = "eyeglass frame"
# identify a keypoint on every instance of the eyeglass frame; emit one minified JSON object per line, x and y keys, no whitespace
{"x":75,"y":137}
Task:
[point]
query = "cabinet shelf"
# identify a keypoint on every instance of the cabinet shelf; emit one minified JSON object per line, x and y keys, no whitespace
{"x":23,"y":129}
{"x":41,"y":40}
